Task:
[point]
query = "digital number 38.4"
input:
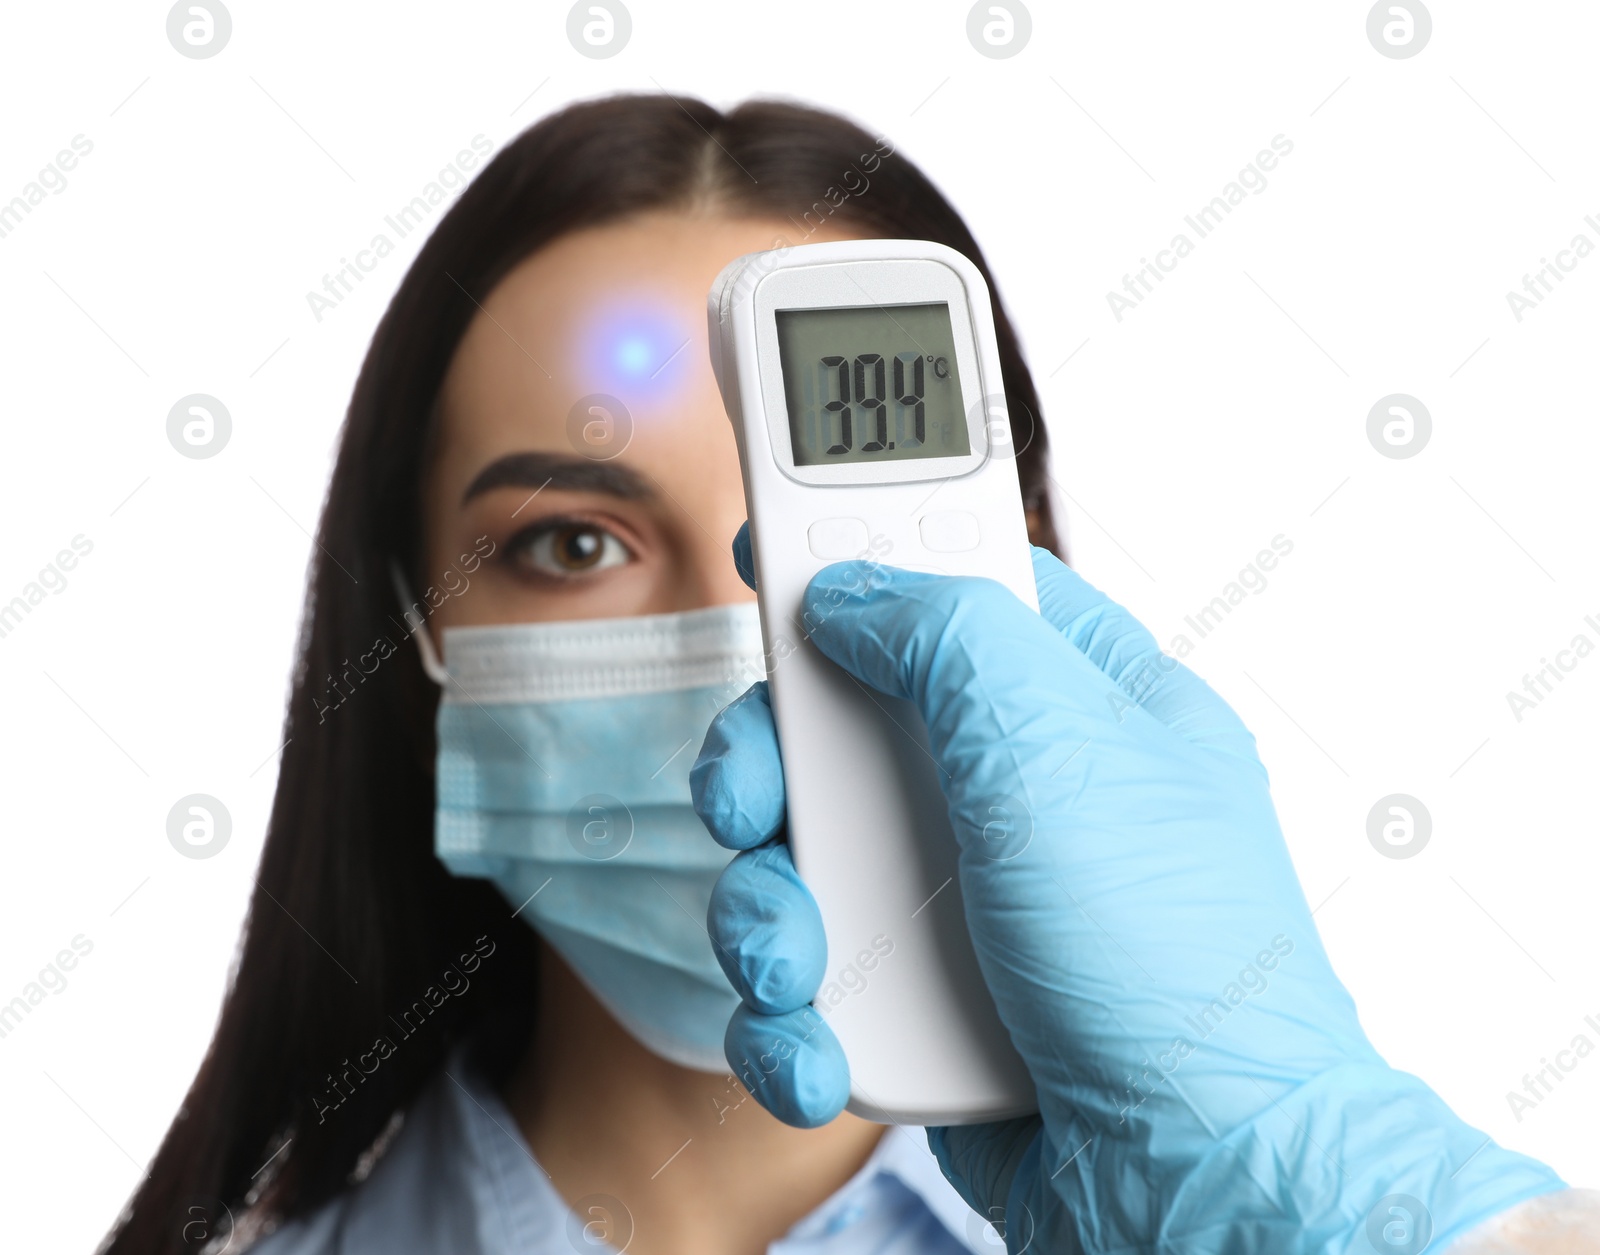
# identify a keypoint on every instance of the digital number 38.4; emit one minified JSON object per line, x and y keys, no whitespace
{"x":858,"y":393}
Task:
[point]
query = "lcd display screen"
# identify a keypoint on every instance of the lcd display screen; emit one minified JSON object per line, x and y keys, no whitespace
{"x":871,"y":383}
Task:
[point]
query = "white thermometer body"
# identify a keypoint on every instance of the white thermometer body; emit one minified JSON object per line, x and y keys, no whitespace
{"x":863,"y":382}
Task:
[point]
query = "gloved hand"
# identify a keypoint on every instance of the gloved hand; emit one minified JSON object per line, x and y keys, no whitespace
{"x":1203,"y":1081}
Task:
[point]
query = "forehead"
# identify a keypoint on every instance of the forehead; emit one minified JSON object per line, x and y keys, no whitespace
{"x":615,"y":311}
{"x":600,"y":310}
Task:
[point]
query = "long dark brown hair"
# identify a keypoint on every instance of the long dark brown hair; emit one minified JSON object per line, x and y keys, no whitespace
{"x":353,"y":919}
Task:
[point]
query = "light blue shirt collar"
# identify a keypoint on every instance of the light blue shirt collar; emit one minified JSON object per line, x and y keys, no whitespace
{"x":459,"y":1178}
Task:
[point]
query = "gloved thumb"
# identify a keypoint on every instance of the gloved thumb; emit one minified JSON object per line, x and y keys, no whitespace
{"x":971,"y":657}
{"x":1122,"y":647}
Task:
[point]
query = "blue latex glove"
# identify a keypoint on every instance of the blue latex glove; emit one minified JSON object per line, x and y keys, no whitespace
{"x":1204,"y":1084}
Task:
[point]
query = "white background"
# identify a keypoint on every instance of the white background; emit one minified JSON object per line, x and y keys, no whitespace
{"x":1228,"y":408}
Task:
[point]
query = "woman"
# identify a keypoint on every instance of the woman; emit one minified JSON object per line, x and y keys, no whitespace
{"x":575,"y":265}
{"x":403,"y":1063}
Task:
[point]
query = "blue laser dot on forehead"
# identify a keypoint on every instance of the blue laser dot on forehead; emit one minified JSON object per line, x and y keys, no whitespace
{"x":633,"y":356}
{"x":635,"y":347}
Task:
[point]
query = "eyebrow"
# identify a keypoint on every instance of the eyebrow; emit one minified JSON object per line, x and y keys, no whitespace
{"x":559,"y":470}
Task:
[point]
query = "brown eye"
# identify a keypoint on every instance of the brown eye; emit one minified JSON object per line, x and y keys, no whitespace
{"x":577,"y":548}
{"x":569,"y":549}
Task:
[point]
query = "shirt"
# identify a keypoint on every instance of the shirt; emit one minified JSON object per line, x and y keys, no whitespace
{"x":459,"y":1179}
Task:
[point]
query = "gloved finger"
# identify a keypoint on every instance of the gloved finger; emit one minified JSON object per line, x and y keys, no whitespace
{"x":1116,"y":642}
{"x":792,"y":1064}
{"x":743,"y":561}
{"x":982,"y":1160}
{"x":766,"y":930}
{"x":736,"y":782}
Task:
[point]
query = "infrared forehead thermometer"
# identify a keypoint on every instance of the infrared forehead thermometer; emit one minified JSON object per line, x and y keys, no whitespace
{"x":863,"y":382}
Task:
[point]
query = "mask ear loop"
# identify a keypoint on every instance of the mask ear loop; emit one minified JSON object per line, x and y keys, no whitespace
{"x":417,"y":628}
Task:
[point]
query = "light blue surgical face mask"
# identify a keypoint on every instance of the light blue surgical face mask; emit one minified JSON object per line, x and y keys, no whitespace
{"x":563,"y":777}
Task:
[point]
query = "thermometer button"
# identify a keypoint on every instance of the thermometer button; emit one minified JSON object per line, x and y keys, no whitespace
{"x":949,"y":531}
{"x":834,"y":539}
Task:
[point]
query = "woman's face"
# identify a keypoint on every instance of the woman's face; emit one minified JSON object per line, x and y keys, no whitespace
{"x":582,"y":434}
